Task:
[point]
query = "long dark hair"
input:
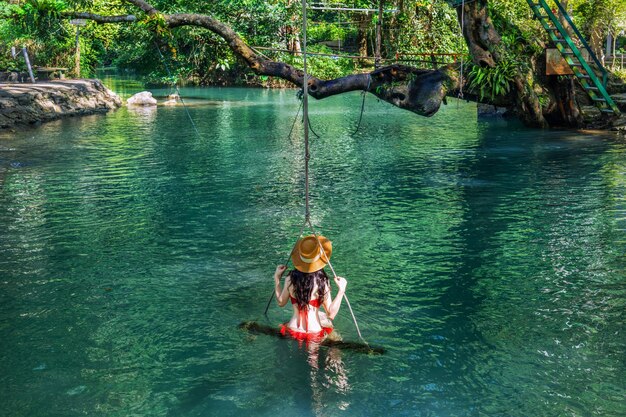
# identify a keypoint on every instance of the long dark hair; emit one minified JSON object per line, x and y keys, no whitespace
{"x":303,"y":283}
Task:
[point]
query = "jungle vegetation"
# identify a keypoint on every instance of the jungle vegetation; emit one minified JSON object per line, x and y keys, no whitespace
{"x":255,"y":42}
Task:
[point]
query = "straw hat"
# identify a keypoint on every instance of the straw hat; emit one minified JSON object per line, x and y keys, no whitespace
{"x":307,"y":256}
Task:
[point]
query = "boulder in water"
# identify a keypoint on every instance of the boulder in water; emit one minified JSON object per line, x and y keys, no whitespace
{"x":173,"y":100}
{"x":142,"y":99}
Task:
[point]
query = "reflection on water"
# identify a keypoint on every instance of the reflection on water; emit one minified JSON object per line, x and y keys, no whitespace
{"x":486,"y":258}
{"x":143,"y":114}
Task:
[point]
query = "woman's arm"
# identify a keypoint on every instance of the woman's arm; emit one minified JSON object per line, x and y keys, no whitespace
{"x":282,"y":295}
{"x":332,"y":307}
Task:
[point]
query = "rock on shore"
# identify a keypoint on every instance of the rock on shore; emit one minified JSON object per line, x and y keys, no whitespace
{"x":41,"y":102}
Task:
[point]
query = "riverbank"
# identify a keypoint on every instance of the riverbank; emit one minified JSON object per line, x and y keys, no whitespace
{"x":23,"y":104}
{"x":28,"y":104}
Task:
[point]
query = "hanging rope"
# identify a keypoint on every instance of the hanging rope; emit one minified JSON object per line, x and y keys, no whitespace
{"x":305,"y":112}
{"x":307,"y":157}
{"x":311,"y":127}
{"x":462,"y":59}
{"x":300,"y":94}
{"x":364,"y":94}
{"x":294,"y":121}
{"x":330,"y":265}
{"x":167,"y":68}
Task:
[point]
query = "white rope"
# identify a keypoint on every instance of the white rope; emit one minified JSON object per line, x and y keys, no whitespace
{"x":307,"y":156}
{"x":180,"y":96}
{"x":335,"y":276}
{"x":307,"y":213}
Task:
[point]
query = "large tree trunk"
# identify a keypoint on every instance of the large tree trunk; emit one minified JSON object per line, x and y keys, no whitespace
{"x":596,"y":41}
{"x":597,"y":24}
{"x":379,"y":34}
{"x":293,"y":39}
{"x":563,"y":109}
{"x":364,"y":20}
{"x":394,"y":23}
{"x":484,"y":44}
{"x":292,"y":31}
{"x":562,"y":18}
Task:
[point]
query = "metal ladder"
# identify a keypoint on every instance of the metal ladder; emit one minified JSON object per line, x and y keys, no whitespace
{"x":592,"y":75}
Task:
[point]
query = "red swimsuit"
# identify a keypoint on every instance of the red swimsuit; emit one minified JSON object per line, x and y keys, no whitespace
{"x":305,"y":335}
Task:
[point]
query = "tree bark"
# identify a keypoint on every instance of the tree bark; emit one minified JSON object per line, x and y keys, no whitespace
{"x":292,"y":32}
{"x":596,"y":41}
{"x":563,"y":109}
{"x":379,"y":37}
{"x":100,"y":18}
{"x":484,"y":44}
{"x":364,"y":20}
{"x":562,"y":19}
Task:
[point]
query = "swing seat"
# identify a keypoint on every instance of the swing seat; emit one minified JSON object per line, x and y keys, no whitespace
{"x":254,"y":327}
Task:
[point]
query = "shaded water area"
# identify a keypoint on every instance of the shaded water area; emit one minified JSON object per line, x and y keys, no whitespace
{"x":488,"y":259}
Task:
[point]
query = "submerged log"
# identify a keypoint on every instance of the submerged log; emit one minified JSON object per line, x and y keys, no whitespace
{"x":258,"y":328}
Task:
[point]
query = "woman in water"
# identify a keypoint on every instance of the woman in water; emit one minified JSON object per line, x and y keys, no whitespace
{"x":308,"y":288}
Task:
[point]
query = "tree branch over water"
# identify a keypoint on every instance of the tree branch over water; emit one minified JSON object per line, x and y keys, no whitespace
{"x":420,"y":91}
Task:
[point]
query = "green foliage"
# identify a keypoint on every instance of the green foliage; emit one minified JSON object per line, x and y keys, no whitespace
{"x":619,"y":73}
{"x":599,"y":16}
{"x":8,"y":63}
{"x":544,"y":100}
{"x":200,"y":56}
{"x":322,"y":66}
{"x":492,"y":82}
{"x":328,"y":31}
{"x":425,"y":26}
{"x":197,"y":55}
{"x":155,"y":23}
{"x":519,"y":30}
{"x":39,"y":25}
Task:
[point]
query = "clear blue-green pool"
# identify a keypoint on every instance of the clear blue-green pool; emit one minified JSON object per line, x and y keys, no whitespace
{"x":488,"y":259}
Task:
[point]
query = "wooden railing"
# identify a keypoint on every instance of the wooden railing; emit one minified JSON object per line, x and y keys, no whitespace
{"x":615,"y":61}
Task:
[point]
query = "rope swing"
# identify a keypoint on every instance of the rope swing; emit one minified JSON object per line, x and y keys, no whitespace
{"x":180,"y":96}
{"x":462,"y":57}
{"x":307,"y":157}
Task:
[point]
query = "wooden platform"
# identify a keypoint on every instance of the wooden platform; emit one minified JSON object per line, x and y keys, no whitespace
{"x":48,"y":73}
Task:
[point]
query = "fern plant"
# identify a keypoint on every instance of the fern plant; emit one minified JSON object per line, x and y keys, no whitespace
{"x":492,"y":82}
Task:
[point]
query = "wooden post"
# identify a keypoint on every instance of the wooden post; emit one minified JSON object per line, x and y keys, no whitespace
{"x":609,"y":44}
{"x":378,"y":34}
{"x":77,"y":57}
{"x":14,"y":54}
{"x":78,"y":23}
{"x":30,"y":70}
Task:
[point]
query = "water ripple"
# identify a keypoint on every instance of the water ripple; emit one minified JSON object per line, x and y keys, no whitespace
{"x":486,"y":258}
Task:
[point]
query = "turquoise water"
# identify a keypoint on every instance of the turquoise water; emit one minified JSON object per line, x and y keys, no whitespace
{"x":488,"y":259}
